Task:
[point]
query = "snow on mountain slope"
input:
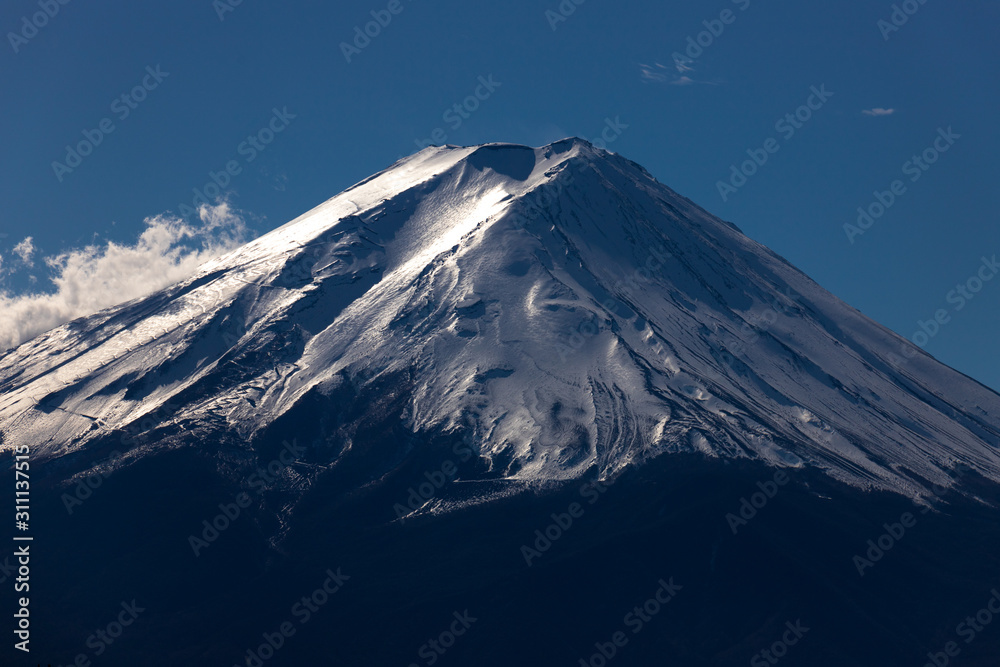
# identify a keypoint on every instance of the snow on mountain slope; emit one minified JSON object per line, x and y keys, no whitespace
{"x":558,"y":303}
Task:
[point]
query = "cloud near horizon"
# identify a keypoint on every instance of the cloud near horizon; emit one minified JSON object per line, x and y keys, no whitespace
{"x":90,"y":279}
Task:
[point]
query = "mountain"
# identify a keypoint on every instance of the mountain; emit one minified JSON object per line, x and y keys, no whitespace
{"x":435,"y":375}
{"x":613,"y":324}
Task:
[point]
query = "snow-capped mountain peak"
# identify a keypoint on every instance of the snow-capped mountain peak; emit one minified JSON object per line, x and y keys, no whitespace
{"x":557,"y":305}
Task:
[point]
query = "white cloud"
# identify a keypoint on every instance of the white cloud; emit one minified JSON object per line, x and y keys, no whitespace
{"x":878,"y":111}
{"x":26,"y":251}
{"x":656,"y":72}
{"x":89,"y":279}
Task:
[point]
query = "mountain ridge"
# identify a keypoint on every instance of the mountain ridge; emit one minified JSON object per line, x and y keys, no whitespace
{"x":558,"y":303}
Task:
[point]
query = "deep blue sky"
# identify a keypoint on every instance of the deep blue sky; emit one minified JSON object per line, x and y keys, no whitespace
{"x":606,"y":60}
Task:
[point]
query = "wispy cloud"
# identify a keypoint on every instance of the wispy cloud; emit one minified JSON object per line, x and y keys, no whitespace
{"x":878,"y":111}
{"x":87,"y":280}
{"x":655,"y":72}
{"x":658,"y":73}
{"x":683,"y":64}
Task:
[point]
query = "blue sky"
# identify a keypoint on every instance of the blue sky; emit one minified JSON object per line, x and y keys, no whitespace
{"x":201,"y":77}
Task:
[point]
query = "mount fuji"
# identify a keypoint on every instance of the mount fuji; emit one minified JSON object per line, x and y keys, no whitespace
{"x":515,"y":392}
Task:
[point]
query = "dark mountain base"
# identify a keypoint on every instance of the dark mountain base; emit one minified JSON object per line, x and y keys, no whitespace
{"x":790,"y":566}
